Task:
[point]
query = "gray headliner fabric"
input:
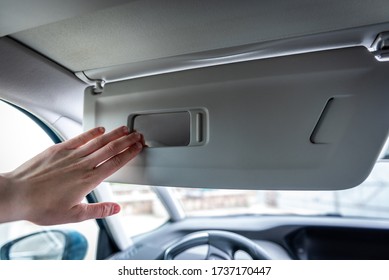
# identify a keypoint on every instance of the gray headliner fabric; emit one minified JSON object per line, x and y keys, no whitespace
{"x":152,"y":29}
{"x":18,"y":15}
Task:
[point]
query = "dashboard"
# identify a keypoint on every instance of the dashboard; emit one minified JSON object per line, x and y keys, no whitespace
{"x":281,"y":237}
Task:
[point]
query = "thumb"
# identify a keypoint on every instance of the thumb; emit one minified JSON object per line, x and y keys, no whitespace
{"x":101,"y":210}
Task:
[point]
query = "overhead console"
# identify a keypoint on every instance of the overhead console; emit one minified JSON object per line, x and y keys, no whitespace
{"x":308,"y":121}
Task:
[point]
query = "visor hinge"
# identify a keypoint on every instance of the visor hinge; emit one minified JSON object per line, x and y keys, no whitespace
{"x":98,"y":85}
{"x":380,"y":47}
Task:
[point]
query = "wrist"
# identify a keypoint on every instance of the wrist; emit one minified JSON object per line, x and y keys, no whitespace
{"x":11,"y":208}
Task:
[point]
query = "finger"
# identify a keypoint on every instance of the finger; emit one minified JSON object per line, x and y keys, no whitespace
{"x":143,"y":141}
{"x":83,"y":138}
{"x":115,"y":163}
{"x":113,"y":148}
{"x":102,"y":140}
{"x":83,"y":211}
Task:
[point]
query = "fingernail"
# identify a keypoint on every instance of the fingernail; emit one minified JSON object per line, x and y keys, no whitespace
{"x":125,"y":129}
{"x":138,"y":145}
{"x":115,"y":209}
{"x":101,"y":129}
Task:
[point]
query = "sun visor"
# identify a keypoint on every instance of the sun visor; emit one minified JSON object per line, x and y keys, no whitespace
{"x":314,"y":121}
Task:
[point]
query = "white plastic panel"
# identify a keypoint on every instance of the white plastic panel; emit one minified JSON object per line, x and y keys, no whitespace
{"x":309,"y":121}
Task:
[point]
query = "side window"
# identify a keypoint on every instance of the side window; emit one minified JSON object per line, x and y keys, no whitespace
{"x":21,"y":139}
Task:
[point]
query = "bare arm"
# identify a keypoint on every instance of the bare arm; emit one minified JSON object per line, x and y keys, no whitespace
{"x":49,"y":188}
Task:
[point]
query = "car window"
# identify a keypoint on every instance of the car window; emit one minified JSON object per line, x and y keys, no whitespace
{"x":368,"y":200}
{"x":22,"y":139}
{"x":142,"y":207}
{"x":142,"y":210}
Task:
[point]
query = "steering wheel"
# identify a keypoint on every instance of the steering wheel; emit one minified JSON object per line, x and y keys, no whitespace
{"x":222,"y":245}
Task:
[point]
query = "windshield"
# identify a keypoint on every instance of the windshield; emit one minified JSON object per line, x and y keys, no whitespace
{"x":144,"y":206}
{"x":370,"y":199}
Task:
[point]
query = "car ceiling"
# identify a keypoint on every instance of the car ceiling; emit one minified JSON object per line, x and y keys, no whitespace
{"x":153,"y":29}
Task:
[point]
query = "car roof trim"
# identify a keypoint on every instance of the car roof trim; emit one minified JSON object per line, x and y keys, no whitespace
{"x":363,"y":36}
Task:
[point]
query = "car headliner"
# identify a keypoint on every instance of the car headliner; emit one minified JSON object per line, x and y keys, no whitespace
{"x":149,"y":30}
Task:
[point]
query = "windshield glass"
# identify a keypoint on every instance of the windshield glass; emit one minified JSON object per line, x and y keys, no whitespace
{"x":370,"y":199}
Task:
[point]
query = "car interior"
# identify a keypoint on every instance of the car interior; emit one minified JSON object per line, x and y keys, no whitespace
{"x":266,"y":124}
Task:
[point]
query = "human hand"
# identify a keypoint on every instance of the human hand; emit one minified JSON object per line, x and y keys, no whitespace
{"x":49,"y":188}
